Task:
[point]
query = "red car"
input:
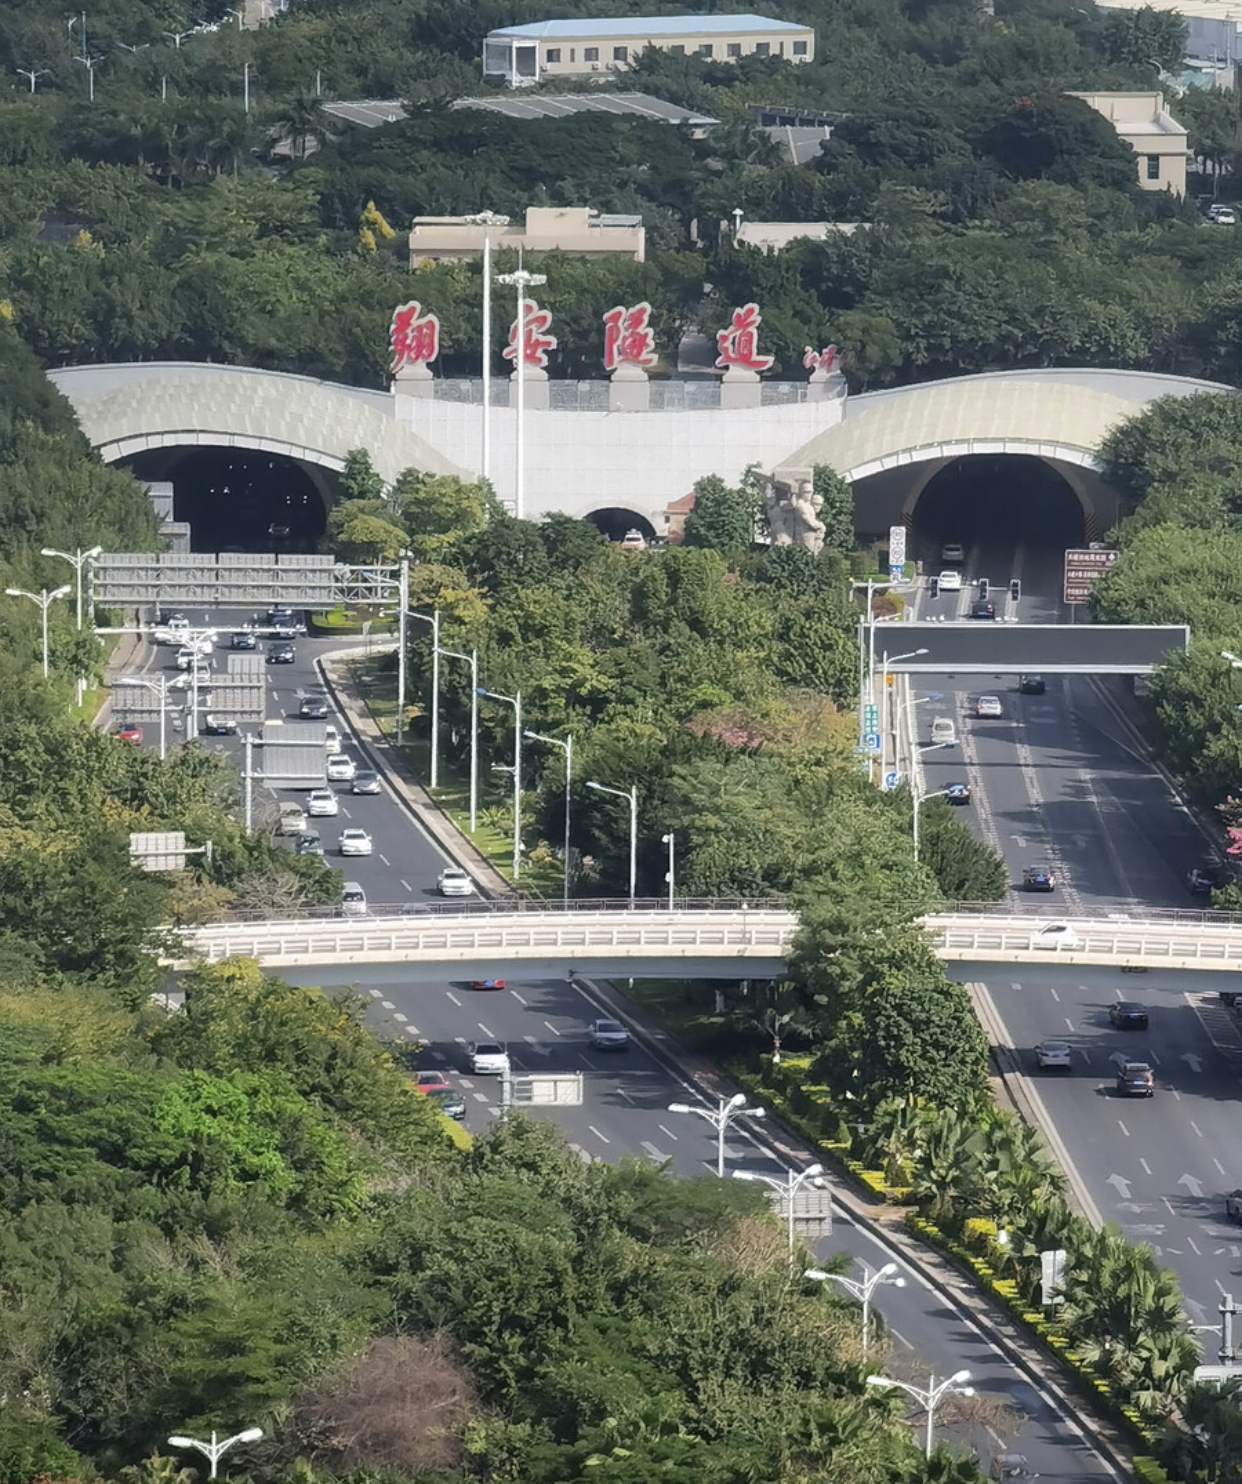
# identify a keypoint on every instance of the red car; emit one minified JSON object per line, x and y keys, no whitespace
{"x":487,"y":984}
{"x":431,"y":1082}
{"x":128,"y":732}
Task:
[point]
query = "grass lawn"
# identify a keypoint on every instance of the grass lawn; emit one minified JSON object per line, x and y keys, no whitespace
{"x":685,"y":1008}
{"x":494,"y":836}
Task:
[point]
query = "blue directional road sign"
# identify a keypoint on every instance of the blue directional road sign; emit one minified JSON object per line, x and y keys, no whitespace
{"x":890,"y":780}
{"x":873,"y":741}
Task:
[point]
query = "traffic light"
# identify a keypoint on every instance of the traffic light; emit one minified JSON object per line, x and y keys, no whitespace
{"x":1015,"y":589}
{"x":935,"y":587}
{"x":983,"y":587}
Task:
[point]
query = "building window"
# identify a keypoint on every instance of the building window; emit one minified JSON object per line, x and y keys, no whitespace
{"x":735,"y":48}
{"x":553,"y":54}
{"x":799,"y":48}
{"x":1153,"y":167}
{"x":762,"y":49}
{"x":620,"y":54}
{"x":705,"y":50}
{"x":677,"y":49}
{"x":573,"y":54}
{"x":590,"y":54}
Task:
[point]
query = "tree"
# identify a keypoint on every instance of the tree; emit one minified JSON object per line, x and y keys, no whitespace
{"x":359,"y":479}
{"x":836,"y":509}
{"x":724,"y":519}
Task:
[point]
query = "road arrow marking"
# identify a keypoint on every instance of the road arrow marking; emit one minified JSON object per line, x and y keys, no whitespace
{"x":1192,"y":1185}
{"x":1121,"y":1186}
{"x":1118,"y":1058}
{"x":539,"y":1048}
{"x":1192,"y":1061}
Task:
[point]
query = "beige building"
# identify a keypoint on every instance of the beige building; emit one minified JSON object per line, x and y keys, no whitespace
{"x":1155,"y":136}
{"x":575,"y":229}
{"x":525,"y":55}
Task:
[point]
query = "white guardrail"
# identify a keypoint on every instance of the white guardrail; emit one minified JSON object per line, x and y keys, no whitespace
{"x":734,"y":933}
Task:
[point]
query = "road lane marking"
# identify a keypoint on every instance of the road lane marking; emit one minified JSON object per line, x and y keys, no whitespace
{"x":375,"y":993}
{"x":479,"y":1097}
{"x":601,"y":1137}
{"x":411,"y":1030}
{"x":1196,"y":1128}
{"x":1123,"y":1128}
{"x":388,"y":1004}
{"x":384,"y":858}
{"x":407,"y":885}
{"x":1218,"y":1165}
{"x":1146,"y":1166}
{"x":486,"y":1032}
{"x":453,"y":997}
{"x":1069,"y":1022}
{"x":654,"y":1152}
{"x":1190,"y":1242}
{"x":589,"y":1064}
{"x":1155,"y":1060}
{"x":438,"y":1056}
{"x":466,"y":1081}
{"x":897,"y":1335}
{"x":551,"y":1027}
{"x":667,"y":1131}
{"x":518,"y":997}
{"x":397,"y":1015}
{"x":1054,"y":994}
{"x":582,"y":1154}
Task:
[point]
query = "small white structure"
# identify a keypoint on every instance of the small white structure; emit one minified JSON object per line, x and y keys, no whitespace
{"x":525,"y":55}
{"x":1152,"y":133}
{"x":572,"y":229}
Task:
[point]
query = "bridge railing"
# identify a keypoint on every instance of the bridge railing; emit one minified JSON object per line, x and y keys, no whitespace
{"x":507,"y":905}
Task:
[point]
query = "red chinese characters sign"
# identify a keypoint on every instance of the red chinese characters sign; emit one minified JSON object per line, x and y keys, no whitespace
{"x":537,"y":342}
{"x":739,"y":344}
{"x":628,"y":337}
{"x":821,"y":360}
{"x":415,"y":336}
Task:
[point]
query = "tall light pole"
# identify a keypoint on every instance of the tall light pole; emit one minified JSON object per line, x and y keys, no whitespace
{"x":901,"y":711}
{"x":472,"y":659}
{"x":78,"y":559}
{"x":158,"y":684}
{"x":862,"y":1290}
{"x":631,"y":794}
{"x":720,"y":1118}
{"x":567,"y":747}
{"x":931,"y":1398}
{"x":671,"y":876}
{"x":886,"y":715}
{"x":433,"y":618}
{"x":44,"y":600}
{"x":90,"y":63}
{"x":215,"y":1450}
{"x":516,"y":703}
{"x":487,"y":220}
{"x":788,"y":1188}
{"x":523,"y":281}
{"x":33,"y":73}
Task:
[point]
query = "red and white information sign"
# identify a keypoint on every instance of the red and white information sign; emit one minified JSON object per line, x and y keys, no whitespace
{"x":1082,"y":566}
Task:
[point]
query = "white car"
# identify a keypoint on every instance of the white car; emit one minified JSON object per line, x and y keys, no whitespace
{"x":950,"y":581}
{"x":488,"y":1058}
{"x":984,"y":706}
{"x":1055,"y":936}
{"x":1222,"y":216}
{"x":292,"y":819}
{"x":609,"y":1035}
{"x":1053,"y":1054}
{"x":454,"y":882}
{"x":341,"y":768}
{"x":332,"y":739}
{"x":952,"y":551}
{"x":322,"y":802}
{"x":943,"y":732}
{"x":355,"y":842}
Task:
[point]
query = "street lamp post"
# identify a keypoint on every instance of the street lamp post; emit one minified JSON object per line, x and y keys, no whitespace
{"x":516,"y":702}
{"x":78,"y":559}
{"x":90,"y":63}
{"x":931,"y":1398}
{"x":33,"y":73}
{"x":671,"y":841}
{"x":158,"y":684}
{"x":901,"y":711}
{"x":433,"y":618}
{"x":863,"y":1290}
{"x":567,"y":747}
{"x":44,"y":599}
{"x":215,"y":1450}
{"x":523,"y":281}
{"x":631,"y":794}
{"x":788,"y":1188}
{"x":887,"y":717}
{"x":487,"y":220}
{"x":720,"y":1118}
{"x":472,"y":659}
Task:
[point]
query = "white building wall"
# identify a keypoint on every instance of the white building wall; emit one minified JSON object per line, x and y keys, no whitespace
{"x":577,"y":462}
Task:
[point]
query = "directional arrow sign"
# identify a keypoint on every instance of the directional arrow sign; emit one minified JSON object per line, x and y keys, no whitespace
{"x":1118,"y":1058}
{"x":1192,"y":1061}
{"x":1192,"y":1186}
{"x":539,"y":1048}
{"x":1122,"y":1187}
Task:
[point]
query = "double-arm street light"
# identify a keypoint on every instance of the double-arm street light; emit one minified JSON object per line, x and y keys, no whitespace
{"x":886,"y":719}
{"x":931,"y":1398}
{"x":862,"y":1289}
{"x":720,"y":1119}
{"x":472,"y":659}
{"x":44,"y":599}
{"x":631,"y":794}
{"x":787,"y":1188}
{"x":567,"y":747}
{"x":158,"y":684}
{"x":215,"y":1450}
{"x":77,"y":559}
{"x":516,"y":703}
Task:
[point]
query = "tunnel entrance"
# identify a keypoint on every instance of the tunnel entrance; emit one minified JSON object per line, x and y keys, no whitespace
{"x":1002,"y":500}
{"x":616,"y":524}
{"x":238,"y":499}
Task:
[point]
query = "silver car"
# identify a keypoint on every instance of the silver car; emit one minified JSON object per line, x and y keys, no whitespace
{"x":609,"y":1035}
{"x":454,"y":882}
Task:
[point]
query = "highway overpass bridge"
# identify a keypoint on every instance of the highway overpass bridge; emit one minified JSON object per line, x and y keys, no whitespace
{"x":586,"y":460}
{"x":737,"y":940}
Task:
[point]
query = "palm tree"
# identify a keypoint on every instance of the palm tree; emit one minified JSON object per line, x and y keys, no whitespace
{"x":947,"y":1175}
{"x":304,"y":123}
{"x":895,"y":1132}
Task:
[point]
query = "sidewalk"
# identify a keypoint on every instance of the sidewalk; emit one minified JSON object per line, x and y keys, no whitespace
{"x":129,"y":655}
{"x":337,"y":669}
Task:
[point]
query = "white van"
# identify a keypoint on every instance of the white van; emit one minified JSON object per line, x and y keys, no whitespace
{"x":353,"y":900}
{"x":293,"y":819}
{"x":943,"y":731}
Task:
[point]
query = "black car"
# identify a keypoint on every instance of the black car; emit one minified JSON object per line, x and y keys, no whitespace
{"x":308,"y":842}
{"x":983,"y":609}
{"x":449,"y":1101}
{"x":1032,"y":685}
{"x":243,"y":639}
{"x":1203,"y":880}
{"x":957,"y":793}
{"x":313,"y":708}
{"x":1128,"y":1015}
{"x":220,"y":726}
{"x":1038,"y":878}
{"x":1136,"y":1080}
{"x":281,"y":654}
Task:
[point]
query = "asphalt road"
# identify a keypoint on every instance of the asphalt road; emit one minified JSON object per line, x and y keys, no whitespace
{"x":544,"y":1023}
